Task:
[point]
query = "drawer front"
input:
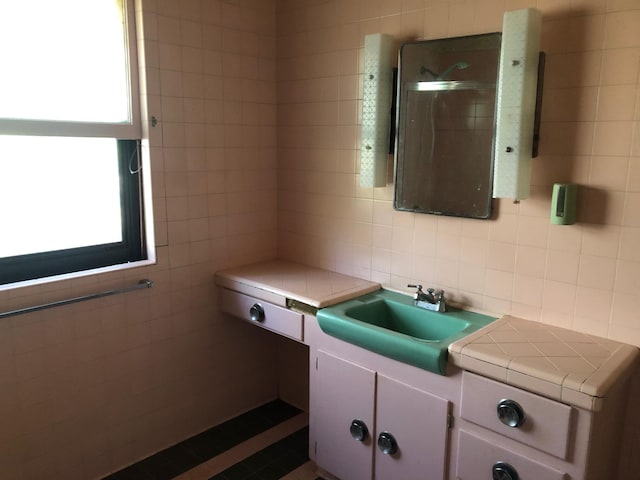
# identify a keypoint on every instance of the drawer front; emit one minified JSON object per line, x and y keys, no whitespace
{"x":275,"y":318}
{"x":528,"y":418}
{"x":478,"y":458}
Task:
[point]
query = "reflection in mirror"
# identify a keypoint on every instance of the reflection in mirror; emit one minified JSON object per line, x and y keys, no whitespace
{"x":446,"y":118}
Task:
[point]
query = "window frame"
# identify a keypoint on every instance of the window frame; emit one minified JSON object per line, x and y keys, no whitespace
{"x":136,"y":248}
{"x":131,"y":130}
{"x":131,"y":249}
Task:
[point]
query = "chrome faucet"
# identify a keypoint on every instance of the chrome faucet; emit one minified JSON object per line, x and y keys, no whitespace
{"x":431,"y":300}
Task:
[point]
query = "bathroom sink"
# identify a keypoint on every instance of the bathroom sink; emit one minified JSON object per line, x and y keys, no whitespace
{"x":407,"y":319}
{"x":388,"y":323}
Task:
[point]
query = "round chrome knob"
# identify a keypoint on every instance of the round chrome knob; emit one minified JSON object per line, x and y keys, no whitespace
{"x":387,"y":443}
{"x":359,"y":430}
{"x":504,"y":471}
{"x":256,"y":313}
{"x":510,"y":413}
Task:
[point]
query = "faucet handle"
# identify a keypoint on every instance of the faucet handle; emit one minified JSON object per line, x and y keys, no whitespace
{"x":418,"y":293}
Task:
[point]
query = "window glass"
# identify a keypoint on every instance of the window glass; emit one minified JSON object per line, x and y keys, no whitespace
{"x":66,"y":195}
{"x":71,"y":68}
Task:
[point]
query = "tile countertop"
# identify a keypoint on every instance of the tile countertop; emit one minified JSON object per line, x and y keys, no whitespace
{"x":568,"y":366}
{"x":279,"y":280}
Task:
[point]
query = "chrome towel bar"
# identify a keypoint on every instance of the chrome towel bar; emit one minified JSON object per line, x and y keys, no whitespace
{"x":144,"y":283}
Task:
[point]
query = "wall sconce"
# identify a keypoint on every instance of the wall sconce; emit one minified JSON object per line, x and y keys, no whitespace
{"x":516,"y":103}
{"x":376,"y":105}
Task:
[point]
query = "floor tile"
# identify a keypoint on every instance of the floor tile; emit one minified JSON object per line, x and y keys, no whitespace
{"x":201,"y":448}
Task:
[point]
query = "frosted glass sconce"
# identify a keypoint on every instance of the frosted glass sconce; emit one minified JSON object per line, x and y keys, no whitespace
{"x":516,"y":103}
{"x":376,"y":107}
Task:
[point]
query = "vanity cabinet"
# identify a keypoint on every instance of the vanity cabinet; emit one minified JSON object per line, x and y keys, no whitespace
{"x":269,"y":316}
{"x":532,"y":420}
{"x":545,"y":418}
{"x":507,"y":433}
{"x":373,"y":426}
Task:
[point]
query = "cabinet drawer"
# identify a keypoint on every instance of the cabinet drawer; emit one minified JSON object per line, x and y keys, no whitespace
{"x":477,"y":458}
{"x":275,"y":318}
{"x":536,"y":421}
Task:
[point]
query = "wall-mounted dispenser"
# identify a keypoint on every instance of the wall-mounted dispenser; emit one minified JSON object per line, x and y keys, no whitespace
{"x":376,"y":105}
{"x":563,"y":204}
{"x":516,"y":103}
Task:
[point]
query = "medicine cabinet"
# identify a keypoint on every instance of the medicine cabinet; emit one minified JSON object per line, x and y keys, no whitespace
{"x":446,"y":117}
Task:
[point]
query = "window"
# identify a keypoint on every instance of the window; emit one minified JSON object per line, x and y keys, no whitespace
{"x":70,"y":175}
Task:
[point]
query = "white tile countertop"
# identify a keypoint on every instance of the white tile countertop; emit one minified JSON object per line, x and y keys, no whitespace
{"x":569,"y":366}
{"x":277,"y":280}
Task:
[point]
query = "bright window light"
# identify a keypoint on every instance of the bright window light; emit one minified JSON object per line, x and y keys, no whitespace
{"x":58,"y":193}
{"x":72,"y":68}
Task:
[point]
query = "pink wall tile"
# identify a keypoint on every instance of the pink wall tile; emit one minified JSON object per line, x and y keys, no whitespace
{"x":596,"y":272}
{"x":558,"y":298}
{"x":124,"y":376}
{"x":530,"y":261}
{"x":499,"y":284}
{"x":621,"y":29}
{"x":501,"y":256}
{"x":594,"y":304}
{"x":267,"y":96}
{"x":473,"y":251}
{"x":627,"y":278}
{"x":472,"y":279}
{"x":602,"y":241}
{"x":613,"y":138}
{"x":527,"y":290}
{"x":587,"y":138}
{"x":436,"y":20}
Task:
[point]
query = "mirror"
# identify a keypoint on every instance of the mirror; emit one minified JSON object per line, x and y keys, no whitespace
{"x":445,"y":124}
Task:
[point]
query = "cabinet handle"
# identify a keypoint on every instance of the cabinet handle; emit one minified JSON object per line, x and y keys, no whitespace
{"x":510,"y":413}
{"x":359,"y":430}
{"x":504,"y":471}
{"x":256,"y":313}
{"x":387,"y":443}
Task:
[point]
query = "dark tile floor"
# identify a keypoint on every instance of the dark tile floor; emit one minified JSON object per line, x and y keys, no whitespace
{"x":272,"y":462}
{"x":182,"y":457}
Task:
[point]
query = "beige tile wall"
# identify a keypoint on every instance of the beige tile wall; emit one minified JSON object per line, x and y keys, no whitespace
{"x":585,"y":276}
{"x":245,"y":168}
{"x":89,"y":388}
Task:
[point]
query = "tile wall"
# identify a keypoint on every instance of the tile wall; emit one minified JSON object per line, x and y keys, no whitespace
{"x":89,"y":388}
{"x":254,"y":156}
{"x":585,"y":276}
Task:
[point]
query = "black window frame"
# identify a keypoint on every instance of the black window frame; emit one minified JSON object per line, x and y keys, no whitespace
{"x":132,"y":248}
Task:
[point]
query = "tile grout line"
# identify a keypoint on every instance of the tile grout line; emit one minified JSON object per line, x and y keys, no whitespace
{"x":230,"y":457}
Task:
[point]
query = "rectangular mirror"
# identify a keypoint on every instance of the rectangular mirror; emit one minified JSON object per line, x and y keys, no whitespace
{"x":445,"y":124}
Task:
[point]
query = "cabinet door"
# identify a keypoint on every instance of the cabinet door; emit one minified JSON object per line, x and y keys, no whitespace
{"x":418,"y":421}
{"x":345,"y":393}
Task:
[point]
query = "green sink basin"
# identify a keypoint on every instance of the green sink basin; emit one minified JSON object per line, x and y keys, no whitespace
{"x":388,"y":323}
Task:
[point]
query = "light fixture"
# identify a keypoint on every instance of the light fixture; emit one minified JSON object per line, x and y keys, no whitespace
{"x":516,"y":103}
{"x":376,"y":107}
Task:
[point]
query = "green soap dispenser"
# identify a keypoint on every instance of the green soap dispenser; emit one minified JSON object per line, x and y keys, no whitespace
{"x":563,"y":204}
